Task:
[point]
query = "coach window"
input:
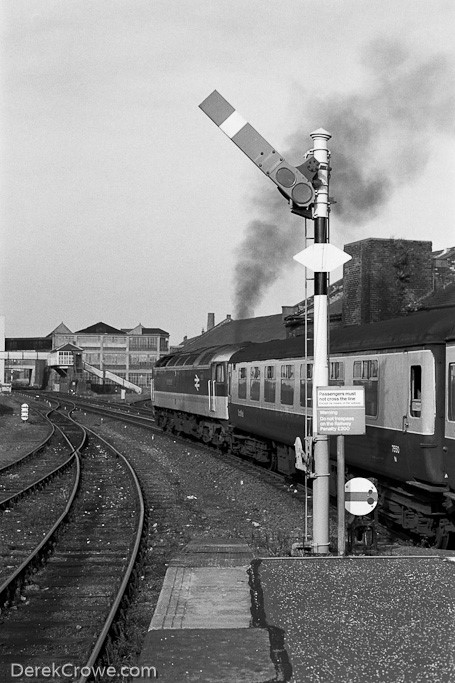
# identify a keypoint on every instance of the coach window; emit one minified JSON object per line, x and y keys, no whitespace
{"x":336,"y":373}
{"x":416,"y":390}
{"x":242,"y":383}
{"x":287,"y":385}
{"x":451,"y":396}
{"x":269,"y":384}
{"x":365,"y":373}
{"x":255,"y":383}
{"x":306,"y":384}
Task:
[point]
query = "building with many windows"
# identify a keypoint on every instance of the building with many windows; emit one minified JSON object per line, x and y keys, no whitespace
{"x":99,"y":357}
{"x":126,"y":353}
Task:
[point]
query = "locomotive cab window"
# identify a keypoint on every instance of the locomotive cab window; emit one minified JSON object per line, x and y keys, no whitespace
{"x":269,"y":384}
{"x":181,"y":360}
{"x":416,"y":390}
{"x":366,"y":373}
{"x":451,"y":393}
{"x":190,"y":359}
{"x":220,"y":376}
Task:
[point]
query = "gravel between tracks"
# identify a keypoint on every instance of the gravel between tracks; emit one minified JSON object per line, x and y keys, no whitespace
{"x":17,"y":438}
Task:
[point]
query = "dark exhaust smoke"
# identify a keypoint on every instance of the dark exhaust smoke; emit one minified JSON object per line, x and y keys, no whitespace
{"x":382,"y":139}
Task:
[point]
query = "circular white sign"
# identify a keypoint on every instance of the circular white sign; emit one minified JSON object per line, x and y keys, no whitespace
{"x":360,"y":496}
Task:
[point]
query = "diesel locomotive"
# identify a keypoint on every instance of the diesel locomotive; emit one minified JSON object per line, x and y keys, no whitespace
{"x":254,"y":399}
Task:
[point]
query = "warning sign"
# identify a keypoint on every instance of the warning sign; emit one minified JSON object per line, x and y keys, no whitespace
{"x":360,"y":496}
{"x":340,"y":410}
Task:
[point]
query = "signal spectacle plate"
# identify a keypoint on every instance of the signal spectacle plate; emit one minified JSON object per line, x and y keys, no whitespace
{"x":285,"y":177}
{"x":302,"y":194}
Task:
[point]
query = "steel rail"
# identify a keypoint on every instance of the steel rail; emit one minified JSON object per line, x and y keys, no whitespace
{"x":9,"y":586}
{"x":117,"y":414}
{"x":6,"y":502}
{"x":36,"y":449}
{"x":102,"y":638}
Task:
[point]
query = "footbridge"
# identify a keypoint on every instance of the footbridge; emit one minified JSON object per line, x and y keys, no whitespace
{"x":107,"y":374}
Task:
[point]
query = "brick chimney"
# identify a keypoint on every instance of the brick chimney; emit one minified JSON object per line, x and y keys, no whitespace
{"x":210,"y":321}
{"x":385,"y":278}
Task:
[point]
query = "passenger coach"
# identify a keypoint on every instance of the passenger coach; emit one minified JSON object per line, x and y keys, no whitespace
{"x":255,"y":399}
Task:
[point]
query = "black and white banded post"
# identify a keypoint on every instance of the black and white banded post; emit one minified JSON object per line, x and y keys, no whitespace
{"x":321,"y":258}
{"x":321,"y":500}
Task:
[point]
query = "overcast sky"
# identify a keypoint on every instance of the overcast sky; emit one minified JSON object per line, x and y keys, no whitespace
{"x":122,"y":202}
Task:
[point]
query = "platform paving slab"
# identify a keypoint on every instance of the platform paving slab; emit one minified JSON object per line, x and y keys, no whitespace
{"x":357,"y":619}
{"x":201,"y":629}
{"x":200,"y":597}
{"x":209,"y":655}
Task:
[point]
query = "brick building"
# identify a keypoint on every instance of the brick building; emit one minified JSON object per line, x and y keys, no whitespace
{"x":385,"y":278}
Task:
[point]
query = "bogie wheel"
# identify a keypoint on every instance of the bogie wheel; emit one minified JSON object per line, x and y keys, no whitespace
{"x":369,"y":537}
{"x":273,"y":464}
{"x":445,"y":537}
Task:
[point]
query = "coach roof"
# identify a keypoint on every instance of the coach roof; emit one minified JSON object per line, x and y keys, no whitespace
{"x":417,"y":329}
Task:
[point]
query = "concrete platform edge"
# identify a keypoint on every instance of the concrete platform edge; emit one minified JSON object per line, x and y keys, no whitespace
{"x":234,"y":643}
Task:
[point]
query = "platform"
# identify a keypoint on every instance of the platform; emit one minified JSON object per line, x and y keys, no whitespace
{"x":203,"y":628}
{"x":364,"y":618}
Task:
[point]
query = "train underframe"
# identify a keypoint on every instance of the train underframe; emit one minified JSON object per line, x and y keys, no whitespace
{"x":419,"y":510}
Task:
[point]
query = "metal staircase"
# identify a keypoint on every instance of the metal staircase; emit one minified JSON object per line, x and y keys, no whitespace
{"x":106,"y":374}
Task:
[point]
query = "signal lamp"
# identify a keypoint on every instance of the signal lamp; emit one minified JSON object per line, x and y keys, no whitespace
{"x":302,"y":194}
{"x":285,"y":177}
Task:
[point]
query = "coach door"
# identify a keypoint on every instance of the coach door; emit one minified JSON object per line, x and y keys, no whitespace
{"x":217,"y":384}
{"x":449,"y":420}
{"x":419,"y":417}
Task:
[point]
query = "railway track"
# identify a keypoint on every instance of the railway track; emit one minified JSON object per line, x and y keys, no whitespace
{"x":40,"y":465}
{"x":17,"y":461}
{"x":297,"y":490}
{"x":68,"y":612}
{"x":385,"y":533}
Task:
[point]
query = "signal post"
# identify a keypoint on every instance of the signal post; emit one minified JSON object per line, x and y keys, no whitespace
{"x":306,"y":188}
{"x":321,"y":499}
